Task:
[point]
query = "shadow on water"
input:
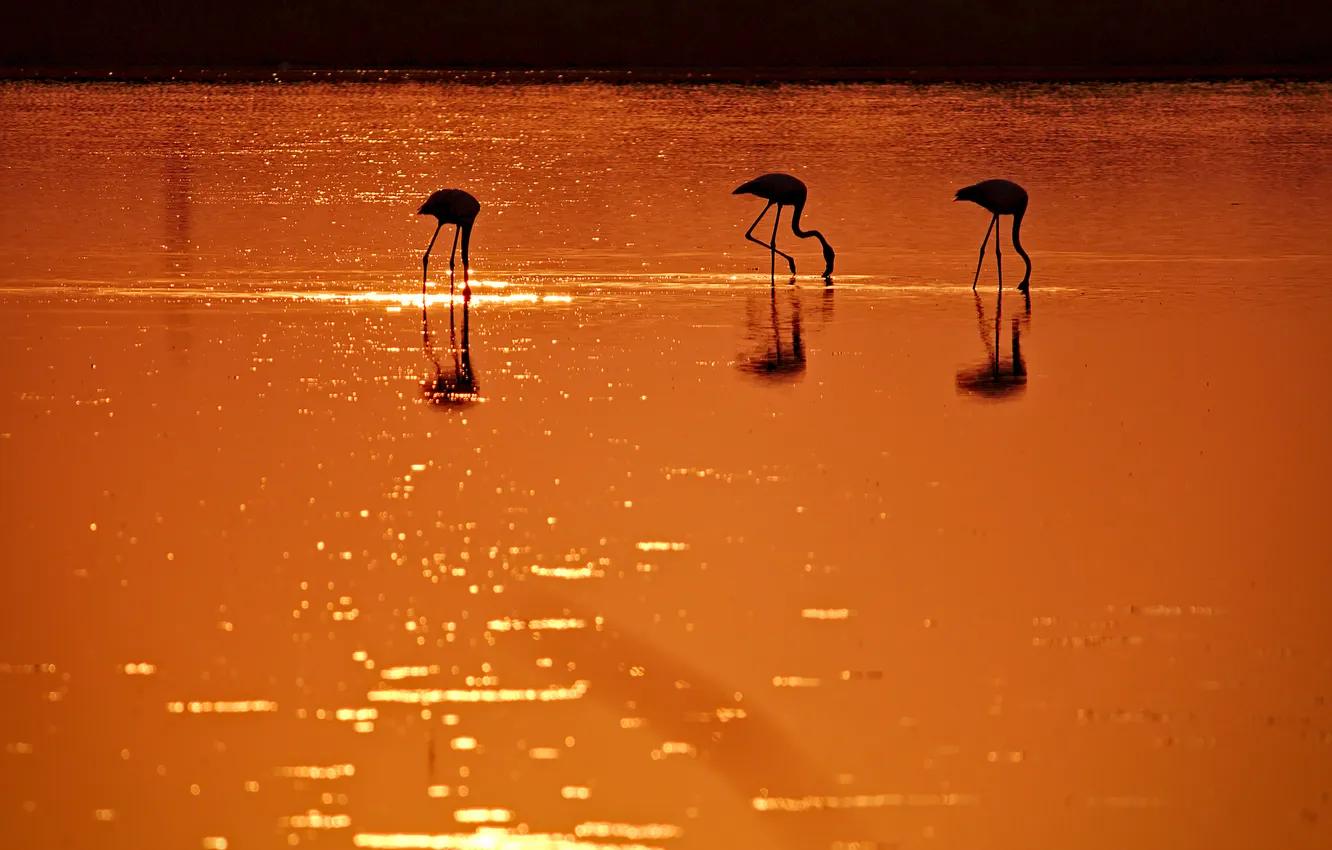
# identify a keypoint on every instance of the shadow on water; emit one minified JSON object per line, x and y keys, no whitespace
{"x":460,"y":386}
{"x":999,"y":377}
{"x":776,"y":345}
{"x":742,"y":741}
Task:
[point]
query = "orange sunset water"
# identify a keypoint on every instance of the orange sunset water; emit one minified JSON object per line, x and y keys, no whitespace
{"x":679,"y":556}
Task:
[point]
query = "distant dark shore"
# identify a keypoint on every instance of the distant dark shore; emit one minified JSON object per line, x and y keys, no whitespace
{"x":752,"y":76}
{"x":748,"y":41}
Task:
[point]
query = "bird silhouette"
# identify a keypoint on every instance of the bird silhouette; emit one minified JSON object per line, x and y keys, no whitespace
{"x":999,"y":197}
{"x":784,"y":191}
{"x":456,"y":207}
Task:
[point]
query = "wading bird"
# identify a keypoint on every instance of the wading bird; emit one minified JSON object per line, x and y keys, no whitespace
{"x":999,"y":197}
{"x":784,"y":191}
{"x":450,"y":206}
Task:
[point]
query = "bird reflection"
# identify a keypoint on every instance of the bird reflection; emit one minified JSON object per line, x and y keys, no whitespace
{"x":771,"y":358}
{"x":999,"y":377}
{"x":177,"y":191}
{"x":460,"y":387}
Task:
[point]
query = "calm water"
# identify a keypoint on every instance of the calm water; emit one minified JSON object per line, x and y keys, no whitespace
{"x":690,"y":561}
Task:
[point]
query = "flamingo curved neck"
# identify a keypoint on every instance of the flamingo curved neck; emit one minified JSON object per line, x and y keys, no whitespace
{"x":797,"y":209}
{"x":1017,"y":246}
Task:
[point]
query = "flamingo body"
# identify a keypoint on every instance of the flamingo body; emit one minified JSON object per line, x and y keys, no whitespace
{"x":451,"y":206}
{"x":999,"y":197}
{"x":776,"y":188}
{"x":784,"y":191}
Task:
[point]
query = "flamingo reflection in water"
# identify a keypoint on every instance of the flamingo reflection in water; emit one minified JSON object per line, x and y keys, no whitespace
{"x":998,"y":378}
{"x":461,"y":386}
{"x":775,"y":359}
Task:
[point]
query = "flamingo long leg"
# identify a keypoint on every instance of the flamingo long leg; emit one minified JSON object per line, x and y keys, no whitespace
{"x":452,"y":342}
{"x":984,"y":242}
{"x":789,"y":260}
{"x":749,"y":234}
{"x":999,"y":263}
{"x":453,"y":339}
{"x":425,"y":260}
{"x":467,"y":265}
{"x":452,"y":255}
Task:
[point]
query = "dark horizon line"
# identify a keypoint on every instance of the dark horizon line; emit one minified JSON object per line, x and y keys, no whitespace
{"x":515,"y":73}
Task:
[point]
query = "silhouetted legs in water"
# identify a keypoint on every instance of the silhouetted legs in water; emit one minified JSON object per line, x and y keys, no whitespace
{"x":425,"y":261}
{"x":426,"y":344}
{"x":771,"y":246}
{"x":770,"y":355}
{"x":996,"y":379}
{"x":1019,"y":368}
{"x":990,"y":353}
{"x":462,"y":385}
{"x":998,"y":257}
{"x":797,"y":348}
{"x":453,"y":254}
{"x":466,"y":380}
{"x":980,"y":262}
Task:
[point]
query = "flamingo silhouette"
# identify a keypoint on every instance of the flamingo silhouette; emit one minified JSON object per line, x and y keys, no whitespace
{"x":784,"y":191}
{"x":999,"y":197}
{"x":450,"y":206}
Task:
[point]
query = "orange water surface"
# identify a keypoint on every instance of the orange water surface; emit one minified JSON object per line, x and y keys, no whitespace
{"x":633,"y":546}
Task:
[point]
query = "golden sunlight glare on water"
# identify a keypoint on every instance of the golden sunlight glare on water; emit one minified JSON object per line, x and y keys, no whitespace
{"x":627,"y":541}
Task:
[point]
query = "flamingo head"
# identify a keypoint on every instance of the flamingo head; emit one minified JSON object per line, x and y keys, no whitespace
{"x":828,"y":257}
